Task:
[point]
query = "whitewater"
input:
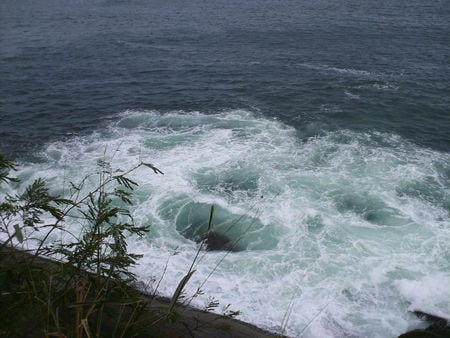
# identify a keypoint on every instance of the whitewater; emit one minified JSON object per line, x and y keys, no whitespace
{"x":338,"y":234}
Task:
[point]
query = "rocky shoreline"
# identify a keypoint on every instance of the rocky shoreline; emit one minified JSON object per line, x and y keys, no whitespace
{"x":199,"y":324}
{"x":154,"y":319}
{"x":192,"y":322}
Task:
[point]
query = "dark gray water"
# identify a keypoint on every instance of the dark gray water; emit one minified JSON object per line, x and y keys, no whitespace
{"x":71,"y":66}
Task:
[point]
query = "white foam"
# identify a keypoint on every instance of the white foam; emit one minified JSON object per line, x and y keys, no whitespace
{"x":347,"y":71}
{"x":429,"y":294}
{"x":386,"y":86}
{"x":351,"y":95}
{"x":343,"y":222}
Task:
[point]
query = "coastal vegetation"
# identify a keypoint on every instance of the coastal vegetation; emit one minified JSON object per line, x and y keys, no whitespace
{"x":59,"y":281}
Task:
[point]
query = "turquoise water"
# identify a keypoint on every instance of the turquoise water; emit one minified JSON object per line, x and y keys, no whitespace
{"x":319,"y":130}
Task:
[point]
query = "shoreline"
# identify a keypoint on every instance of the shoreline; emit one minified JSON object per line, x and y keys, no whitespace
{"x":194,"y":322}
{"x":187,"y":321}
{"x":154,"y":318}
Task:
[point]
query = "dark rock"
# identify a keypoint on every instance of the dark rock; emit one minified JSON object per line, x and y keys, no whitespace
{"x":439,"y":327}
{"x":217,"y":242}
{"x":435,"y":320}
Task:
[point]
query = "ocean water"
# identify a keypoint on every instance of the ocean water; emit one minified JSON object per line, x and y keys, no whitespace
{"x":318,"y":129}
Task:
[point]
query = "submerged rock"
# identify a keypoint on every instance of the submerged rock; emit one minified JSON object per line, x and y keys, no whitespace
{"x":217,"y":242}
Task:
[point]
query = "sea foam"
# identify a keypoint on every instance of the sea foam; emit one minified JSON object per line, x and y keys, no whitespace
{"x":339,"y":234}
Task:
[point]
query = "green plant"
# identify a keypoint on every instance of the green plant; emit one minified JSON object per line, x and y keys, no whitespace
{"x":87,"y":288}
{"x":91,"y":285}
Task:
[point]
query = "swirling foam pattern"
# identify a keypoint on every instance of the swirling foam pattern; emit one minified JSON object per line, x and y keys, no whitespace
{"x":336,"y":235}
